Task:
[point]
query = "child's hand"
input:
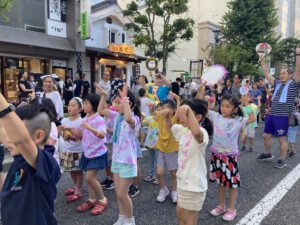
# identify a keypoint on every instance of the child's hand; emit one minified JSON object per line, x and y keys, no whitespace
{"x":85,"y":125}
{"x":173,"y":95}
{"x":183,"y":114}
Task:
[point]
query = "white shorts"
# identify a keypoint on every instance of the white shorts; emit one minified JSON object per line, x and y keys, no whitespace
{"x":190,"y":200}
{"x":250,"y":132}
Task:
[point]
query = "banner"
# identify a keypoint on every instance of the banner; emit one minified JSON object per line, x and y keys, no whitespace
{"x":54,"y":10}
{"x":85,"y":11}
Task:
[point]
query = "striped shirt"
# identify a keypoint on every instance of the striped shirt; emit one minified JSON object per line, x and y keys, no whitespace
{"x":284,"y":109}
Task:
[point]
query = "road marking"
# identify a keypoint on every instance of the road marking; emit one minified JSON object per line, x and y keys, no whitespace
{"x":262,"y":209}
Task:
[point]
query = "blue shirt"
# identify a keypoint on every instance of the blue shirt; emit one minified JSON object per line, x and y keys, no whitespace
{"x":28,"y":194}
{"x":254,"y":94}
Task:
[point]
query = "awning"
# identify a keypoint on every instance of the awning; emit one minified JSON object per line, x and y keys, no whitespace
{"x":34,"y":39}
{"x":106,"y":54}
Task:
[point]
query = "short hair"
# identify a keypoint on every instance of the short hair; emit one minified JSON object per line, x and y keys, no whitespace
{"x":142,"y":92}
{"x":49,"y":106}
{"x":94,"y":100}
{"x":37,"y":118}
{"x":240,"y":76}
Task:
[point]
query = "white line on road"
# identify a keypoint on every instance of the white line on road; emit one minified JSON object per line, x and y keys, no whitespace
{"x":264,"y":207}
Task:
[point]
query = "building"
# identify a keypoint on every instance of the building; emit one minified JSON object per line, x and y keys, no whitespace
{"x":110,"y":45}
{"x":40,"y":37}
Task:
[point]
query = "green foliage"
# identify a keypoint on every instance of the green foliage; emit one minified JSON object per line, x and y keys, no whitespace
{"x":247,"y":23}
{"x":286,"y":51}
{"x":5,"y":6}
{"x":160,"y":26}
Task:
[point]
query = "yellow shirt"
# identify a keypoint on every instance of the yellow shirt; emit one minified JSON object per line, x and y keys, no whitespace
{"x":166,"y":142}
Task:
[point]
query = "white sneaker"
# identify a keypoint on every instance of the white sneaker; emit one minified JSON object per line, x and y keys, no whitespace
{"x":174,"y":197}
{"x":129,"y":221}
{"x":163,"y":193}
{"x":120,"y":221}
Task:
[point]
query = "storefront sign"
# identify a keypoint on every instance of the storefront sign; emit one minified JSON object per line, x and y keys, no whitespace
{"x":85,"y":24}
{"x":122,"y":48}
{"x":151,"y":64}
{"x":58,"y":29}
{"x":57,"y":10}
{"x":59,"y":63}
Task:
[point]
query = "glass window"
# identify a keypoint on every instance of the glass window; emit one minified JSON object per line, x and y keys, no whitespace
{"x":27,"y":15}
{"x":113,"y":37}
{"x":123,"y":38}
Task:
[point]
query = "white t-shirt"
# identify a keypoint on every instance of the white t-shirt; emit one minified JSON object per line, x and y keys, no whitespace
{"x":226,"y":133}
{"x":192,"y":170}
{"x":190,"y":87}
{"x":72,"y":146}
{"x":56,"y":99}
{"x":105,"y":85}
{"x":145,"y":105}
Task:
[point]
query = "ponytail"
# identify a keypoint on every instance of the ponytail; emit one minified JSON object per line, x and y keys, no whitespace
{"x":208,"y":126}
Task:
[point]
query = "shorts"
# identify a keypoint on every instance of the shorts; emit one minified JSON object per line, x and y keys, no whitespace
{"x":277,"y":125}
{"x":250,"y":132}
{"x":189,"y":200}
{"x":97,"y":163}
{"x":109,"y":147}
{"x":70,"y":161}
{"x":292,"y":134}
{"x":124,"y":170}
{"x":1,"y":157}
{"x":167,"y":160}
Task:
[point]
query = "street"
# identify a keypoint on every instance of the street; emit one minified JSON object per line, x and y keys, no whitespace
{"x":258,"y":178}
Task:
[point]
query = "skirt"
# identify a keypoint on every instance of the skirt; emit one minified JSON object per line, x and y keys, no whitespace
{"x":97,"y":163}
{"x":70,"y":161}
{"x":225,"y":170}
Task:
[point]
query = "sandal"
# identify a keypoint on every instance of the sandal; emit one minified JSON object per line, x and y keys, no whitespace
{"x":86,"y":206}
{"x":99,"y":208}
{"x":149,"y":178}
{"x":74,"y":197}
{"x":156,"y":182}
{"x":70,"y":191}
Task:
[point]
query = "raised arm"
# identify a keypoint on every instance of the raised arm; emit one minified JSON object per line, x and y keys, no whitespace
{"x":18,"y":134}
{"x":102,"y":105}
{"x":297,"y":73}
{"x":125,"y":101}
{"x":265,"y":68}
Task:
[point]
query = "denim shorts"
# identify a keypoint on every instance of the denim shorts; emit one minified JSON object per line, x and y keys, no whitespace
{"x":124,"y":170}
{"x":292,"y":134}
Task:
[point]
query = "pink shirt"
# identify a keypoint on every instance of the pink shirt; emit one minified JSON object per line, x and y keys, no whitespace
{"x":92,"y":145}
{"x":125,"y":151}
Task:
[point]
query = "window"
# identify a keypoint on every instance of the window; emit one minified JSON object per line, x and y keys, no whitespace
{"x":123,"y":38}
{"x":112,"y":37}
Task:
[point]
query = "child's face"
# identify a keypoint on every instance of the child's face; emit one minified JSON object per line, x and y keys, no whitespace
{"x":73,"y":108}
{"x":226,"y":108}
{"x":245,"y":100}
{"x":87,"y":107}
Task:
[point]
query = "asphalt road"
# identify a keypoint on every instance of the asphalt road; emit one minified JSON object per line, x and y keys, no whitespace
{"x":257,"y":179}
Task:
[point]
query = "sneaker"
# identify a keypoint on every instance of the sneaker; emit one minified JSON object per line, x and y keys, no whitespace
{"x":292,"y":154}
{"x":265,"y":157}
{"x":105,"y":182}
{"x":174,"y":197}
{"x":250,"y":149}
{"x":243,"y":148}
{"x":229,"y":215}
{"x":109,"y":185}
{"x":163,"y":193}
{"x":133,"y":191}
{"x":218,"y":211}
{"x":280,"y":164}
{"x":120,"y":221}
{"x":129,"y":221}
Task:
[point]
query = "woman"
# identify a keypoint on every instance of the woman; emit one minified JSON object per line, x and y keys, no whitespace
{"x":24,"y":86}
{"x":117,"y":82}
{"x":68,"y":90}
{"x":51,"y":93}
{"x":140,"y":83}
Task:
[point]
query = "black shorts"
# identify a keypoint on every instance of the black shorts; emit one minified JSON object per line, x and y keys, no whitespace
{"x":1,"y":157}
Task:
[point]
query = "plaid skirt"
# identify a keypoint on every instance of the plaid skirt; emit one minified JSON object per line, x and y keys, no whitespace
{"x":70,"y":161}
{"x":225,"y":170}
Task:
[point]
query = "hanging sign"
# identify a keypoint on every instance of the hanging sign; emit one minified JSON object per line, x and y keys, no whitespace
{"x":122,"y":48}
{"x":85,"y":25}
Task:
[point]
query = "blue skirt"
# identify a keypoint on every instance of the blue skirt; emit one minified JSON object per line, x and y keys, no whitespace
{"x":97,"y":163}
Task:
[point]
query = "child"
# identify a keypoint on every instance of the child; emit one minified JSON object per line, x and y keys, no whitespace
{"x":150,"y":142}
{"x":30,"y":186}
{"x":249,"y":109}
{"x":124,"y":158}
{"x":168,"y":150}
{"x":192,"y":172}
{"x":93,"y":133}
{"x":224,"y":168}
{"x":72,"y":149}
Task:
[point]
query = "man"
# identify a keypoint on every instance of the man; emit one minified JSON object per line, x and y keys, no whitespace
{"x":86,"y":86}
{"x":282,"y":107}
{"x":227,"y":90}
{"x":176,"y":86}
{"x":104,"y":83}
{"x":190,"y":86}
{"x":78,"y":83}
{"x":237,"y":79}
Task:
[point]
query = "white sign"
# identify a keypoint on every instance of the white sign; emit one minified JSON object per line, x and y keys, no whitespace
{"x":59,"y":63}
{"x":58,"y":29}
{"x":54,"y":9}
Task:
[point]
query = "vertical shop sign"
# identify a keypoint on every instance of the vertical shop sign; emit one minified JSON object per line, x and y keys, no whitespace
{"x":85,"y":11}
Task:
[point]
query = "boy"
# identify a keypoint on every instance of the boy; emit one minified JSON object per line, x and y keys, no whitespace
{"x":29,"y":189}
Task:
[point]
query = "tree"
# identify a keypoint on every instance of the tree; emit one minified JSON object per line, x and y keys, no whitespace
{"x":5,"y":6}
{"x":247,"y":23}
{"x":160,"y":26}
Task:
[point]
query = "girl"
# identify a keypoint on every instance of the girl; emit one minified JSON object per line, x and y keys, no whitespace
{"x":93,"y":134}
{"x":124,"y":158}
{"x":191,"y":173}
{"x":72,"y":149}
{"x":224,"y":168}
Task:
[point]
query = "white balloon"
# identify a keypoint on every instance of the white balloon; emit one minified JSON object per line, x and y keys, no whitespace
{"x":214,"y":74}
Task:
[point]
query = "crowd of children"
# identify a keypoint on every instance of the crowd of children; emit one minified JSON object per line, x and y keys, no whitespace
{"x":110,"y":137}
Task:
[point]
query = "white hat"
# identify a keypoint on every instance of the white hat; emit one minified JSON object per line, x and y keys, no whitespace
{"x":53,"y":76}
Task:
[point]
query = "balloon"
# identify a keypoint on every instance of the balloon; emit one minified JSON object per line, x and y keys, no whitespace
{"x":214,"y":74}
